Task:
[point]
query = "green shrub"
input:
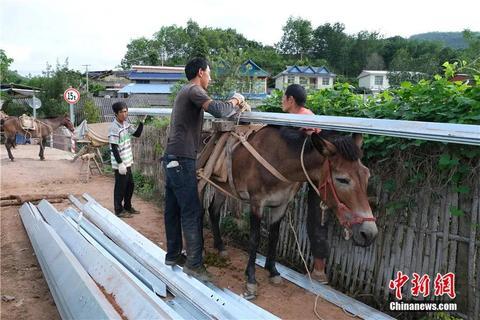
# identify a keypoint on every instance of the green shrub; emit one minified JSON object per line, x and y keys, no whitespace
{"x":144,"y":186}
{"x":92,"y":114}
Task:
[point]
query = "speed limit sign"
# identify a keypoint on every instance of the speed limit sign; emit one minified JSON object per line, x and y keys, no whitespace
{"x":71,"y":95}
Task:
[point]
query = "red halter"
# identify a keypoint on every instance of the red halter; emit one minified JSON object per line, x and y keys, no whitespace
{"x":342,"y":209}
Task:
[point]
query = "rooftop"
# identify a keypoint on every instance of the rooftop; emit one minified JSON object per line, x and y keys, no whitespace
{"x":146,"y":88}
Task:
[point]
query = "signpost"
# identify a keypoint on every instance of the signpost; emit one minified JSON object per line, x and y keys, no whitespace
{"x":71,"y":95}
{"x":35,"y":103}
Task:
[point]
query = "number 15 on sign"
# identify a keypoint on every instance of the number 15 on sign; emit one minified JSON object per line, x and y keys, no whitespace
{"x":71,"y":96}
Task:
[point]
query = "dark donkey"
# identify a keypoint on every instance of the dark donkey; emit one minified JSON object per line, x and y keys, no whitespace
{"x":333,"y":164}
{"x":44,"y":127}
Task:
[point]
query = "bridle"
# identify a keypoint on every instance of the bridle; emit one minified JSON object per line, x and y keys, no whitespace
{"x":342,"y":209}
{"x":67,"y":121}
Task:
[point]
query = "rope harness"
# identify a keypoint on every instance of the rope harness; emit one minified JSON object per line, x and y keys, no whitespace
{"x":346,"y":216}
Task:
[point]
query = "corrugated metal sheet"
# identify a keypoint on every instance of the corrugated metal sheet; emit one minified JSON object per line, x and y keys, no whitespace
{"x":134,"y":303}
{"x":211,"y":303}
{"x":431,"y":131}
{"x":134,"y":75}
{"x":76,"y":295}
{"x":146,"y":88}
{"x":356,"y":308}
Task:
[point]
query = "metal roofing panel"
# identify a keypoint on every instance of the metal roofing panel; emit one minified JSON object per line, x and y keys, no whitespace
{"x":134,"y":75}
{"x":355,"y":307}
{"x":76,"y":295}
{"x":202,"y":297}
{"x":431,"y":131}
{"x":135,"y":304}
{"x":147,"y":88}
{"x":137,"y":269}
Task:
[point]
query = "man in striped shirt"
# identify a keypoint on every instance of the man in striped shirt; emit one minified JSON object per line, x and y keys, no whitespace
{"x":121,"y":156}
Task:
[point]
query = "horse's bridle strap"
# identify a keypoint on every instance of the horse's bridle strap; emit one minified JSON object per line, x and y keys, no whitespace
{"x":342,"y":209}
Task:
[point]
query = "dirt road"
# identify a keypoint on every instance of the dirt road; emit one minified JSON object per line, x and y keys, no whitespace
{"x":21,"y":275}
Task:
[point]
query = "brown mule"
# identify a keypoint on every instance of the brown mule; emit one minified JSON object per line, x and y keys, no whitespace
{"x":332,"y":163}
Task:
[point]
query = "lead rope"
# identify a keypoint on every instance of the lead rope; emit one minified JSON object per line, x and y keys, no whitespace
{"x":324,"y":207}
{"x":304,"y":263}
{"x":244,"y":107}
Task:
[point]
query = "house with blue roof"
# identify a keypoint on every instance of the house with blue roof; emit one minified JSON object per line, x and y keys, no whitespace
{"x":307,"y":76}
{"x":152,"y":80}
{"x":254,"y":82}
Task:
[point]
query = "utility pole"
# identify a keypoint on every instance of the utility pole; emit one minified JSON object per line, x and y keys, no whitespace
{"x":86,"y":73}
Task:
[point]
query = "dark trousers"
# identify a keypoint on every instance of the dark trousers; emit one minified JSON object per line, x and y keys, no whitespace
{"x":123,"y":191}
{"x":183,"y":210}
{"x":317,"y":234}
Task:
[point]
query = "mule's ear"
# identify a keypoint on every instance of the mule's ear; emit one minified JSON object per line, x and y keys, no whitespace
{"x":358,"y":139}
{"x":323,"y":146}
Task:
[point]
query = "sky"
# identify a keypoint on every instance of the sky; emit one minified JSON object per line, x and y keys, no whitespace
{"x":96,"y":32}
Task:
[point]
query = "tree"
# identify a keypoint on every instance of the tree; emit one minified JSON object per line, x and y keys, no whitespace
{"x":375,"y":62}
{"x":52,"y":84}
{"x":7,"y":75}
{"x":172,"y":43}
{"x":4,"y":65}
{"x":472,"y":53}
{"x":297,"y":38}
{"x":92,"y":114}
{"x":332,"y":44}
{"x":390,"y":48}
{"x":401,"y":61}
{"x":140,"y":51}
{"x":226,"y":73}
{"x":363,"y":46}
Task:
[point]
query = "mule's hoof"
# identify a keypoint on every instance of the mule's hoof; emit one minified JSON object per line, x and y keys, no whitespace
{"x":251,"y":291}
{"x":275,"y":280}
{"x":223,"y":253}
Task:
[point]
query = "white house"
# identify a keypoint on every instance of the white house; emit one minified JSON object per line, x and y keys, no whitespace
{"x":375,"y":80}
{"x":307,"y":76}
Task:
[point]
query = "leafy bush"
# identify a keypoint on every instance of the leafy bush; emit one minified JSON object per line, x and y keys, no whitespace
{"x":158,"y":122}
{"x":418,"y":161}
{"x":92,"y":114}
{"x":144,"y":186}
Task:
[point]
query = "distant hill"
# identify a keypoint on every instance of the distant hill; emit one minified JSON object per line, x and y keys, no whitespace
{"x":449,"y":39}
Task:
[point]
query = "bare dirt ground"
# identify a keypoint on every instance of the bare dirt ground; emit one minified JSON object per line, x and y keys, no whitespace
{"x":21,"y":275}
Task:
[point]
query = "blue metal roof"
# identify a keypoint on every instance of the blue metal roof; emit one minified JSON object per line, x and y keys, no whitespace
{"x":134,"y":75}
{"x":146,"y":88}
{"x":251,"y":69}
{"x":255,"y":96}
{"x":305,"y":70}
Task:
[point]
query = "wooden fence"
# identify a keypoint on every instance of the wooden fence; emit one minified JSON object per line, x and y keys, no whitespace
{"x":423,"y":237}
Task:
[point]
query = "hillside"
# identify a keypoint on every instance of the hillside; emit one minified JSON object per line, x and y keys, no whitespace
{"x":450,"y":39}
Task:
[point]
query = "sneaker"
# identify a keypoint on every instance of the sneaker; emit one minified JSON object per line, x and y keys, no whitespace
{"x":132,"y":210}
{"x":180,"y":260}
{"x":200,"y":273}
{"x":124,"y":214}
{"x":320,"y":276}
